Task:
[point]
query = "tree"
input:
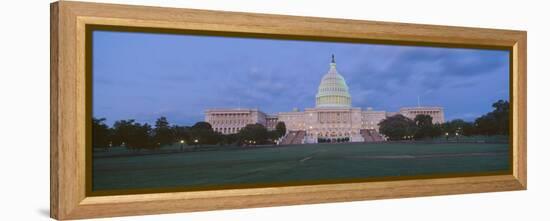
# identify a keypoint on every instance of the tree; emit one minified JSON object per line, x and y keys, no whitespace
{"x":425,"y":127}
{"x":485,"y":125}
{"x":468,"y":129}
{"x":253,"y":134}
{"x":273,"y":135}
{"x":181,"y":133}
{"x":397,"y":127}
{"x":132,"y":135}
{"x":457,"y":126}
{"x":280,"y":128}
{"x":501,"y":115}
{"x":496,"y":121}
{"x":122,"y":130}
{"x":202,"y":133}
{"x":229,"y":139}
{"x":141,"y":137}
{"x":101,"y":133}
{"x":437,"y":130}
{"x":163,"y":134}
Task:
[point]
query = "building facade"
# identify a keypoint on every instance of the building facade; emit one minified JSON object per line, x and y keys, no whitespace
{"x":230,"y":121}
{"x":332,"y":119}
{"x":435,"y":112}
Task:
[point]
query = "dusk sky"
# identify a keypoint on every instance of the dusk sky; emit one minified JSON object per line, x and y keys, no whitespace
{"x":144,"y":76}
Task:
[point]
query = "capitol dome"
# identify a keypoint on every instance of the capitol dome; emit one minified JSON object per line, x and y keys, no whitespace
{"x":333,"y":90}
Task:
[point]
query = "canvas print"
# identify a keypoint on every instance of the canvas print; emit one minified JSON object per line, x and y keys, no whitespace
{"x":175,"y":111}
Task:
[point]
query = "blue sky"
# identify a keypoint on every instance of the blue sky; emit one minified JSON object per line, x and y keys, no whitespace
{"x":143,"y":76}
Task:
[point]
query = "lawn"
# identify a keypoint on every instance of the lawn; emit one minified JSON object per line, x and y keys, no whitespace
{"x":296,"y":163}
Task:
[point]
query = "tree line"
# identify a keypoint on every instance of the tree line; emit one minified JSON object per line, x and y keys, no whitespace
{"x":135,"y":135}
{"x":399,"y":127}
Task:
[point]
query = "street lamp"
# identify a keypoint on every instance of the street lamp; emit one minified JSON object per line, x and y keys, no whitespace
{"x":447,"y":136}
{"x":181,"y":145}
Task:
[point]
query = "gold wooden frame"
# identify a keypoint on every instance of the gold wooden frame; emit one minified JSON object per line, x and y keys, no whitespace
{"x":68,"y":107}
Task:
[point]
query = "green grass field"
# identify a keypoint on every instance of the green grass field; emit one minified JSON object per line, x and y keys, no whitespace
{"x":297,"y":163}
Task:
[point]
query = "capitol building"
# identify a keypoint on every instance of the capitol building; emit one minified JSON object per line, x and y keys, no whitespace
{"x":333,"y":119}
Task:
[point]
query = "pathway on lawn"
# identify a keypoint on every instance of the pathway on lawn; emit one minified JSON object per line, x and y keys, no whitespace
{"x":429,"y":155}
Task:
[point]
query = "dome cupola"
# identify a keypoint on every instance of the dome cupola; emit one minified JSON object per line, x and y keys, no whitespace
{"x":333,"y":90}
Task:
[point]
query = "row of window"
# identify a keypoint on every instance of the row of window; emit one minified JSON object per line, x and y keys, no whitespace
{"x":424,"y":112}
{"x":339,"y":128}
{"x":333,"y":89}
{"x":227,"y":130}
{"x":333,"y":99}
{"x":339,"y":120}
{"x":327,"y":134}
{"x":225,"y":122}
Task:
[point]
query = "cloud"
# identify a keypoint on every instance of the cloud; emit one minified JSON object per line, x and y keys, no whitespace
{"x":144,"y":75}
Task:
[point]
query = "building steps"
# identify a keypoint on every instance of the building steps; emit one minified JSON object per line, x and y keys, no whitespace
{"x":293,"y":137}
{"x":371,"y":135}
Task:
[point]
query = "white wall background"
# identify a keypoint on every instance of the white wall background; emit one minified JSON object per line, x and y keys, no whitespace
{"x":24,"y":112}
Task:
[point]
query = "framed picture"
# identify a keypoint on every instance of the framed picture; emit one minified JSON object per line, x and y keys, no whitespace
{"x":160,"y":110}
